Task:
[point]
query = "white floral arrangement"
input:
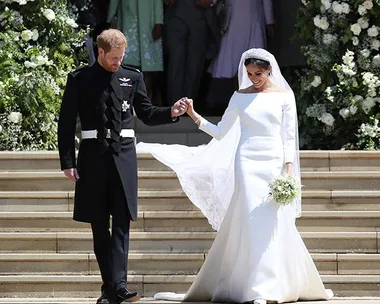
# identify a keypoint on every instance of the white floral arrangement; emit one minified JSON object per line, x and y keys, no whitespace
{"x":284,"y":189}
{"x":341,"y":83}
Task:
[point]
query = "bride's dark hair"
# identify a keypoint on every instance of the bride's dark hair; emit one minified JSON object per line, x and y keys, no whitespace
{"x":264,"y":64}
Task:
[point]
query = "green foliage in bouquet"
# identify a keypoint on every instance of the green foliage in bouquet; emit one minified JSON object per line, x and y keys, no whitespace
{"x":39,"y":44}
{"x":339,"y":91}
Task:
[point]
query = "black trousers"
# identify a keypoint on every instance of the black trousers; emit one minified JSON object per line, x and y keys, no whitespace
{"x":111,"y":249}
{"x":186,"y":46}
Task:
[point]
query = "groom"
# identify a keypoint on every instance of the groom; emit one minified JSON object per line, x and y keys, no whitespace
{"x":105,"y":174}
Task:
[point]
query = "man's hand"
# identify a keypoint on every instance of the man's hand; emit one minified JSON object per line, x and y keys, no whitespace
{"x":71,"y":174}
{"x":157,"y":32}
{"x":179,"y":108}
{"x":203,"y":3}
{"x":170,"y":2}
{"x":270,"y":30}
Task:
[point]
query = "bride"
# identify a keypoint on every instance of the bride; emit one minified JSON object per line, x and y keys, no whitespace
{"x":258,"y":254}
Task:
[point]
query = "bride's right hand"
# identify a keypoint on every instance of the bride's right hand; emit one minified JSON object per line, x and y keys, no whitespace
{"x":190,"y":107}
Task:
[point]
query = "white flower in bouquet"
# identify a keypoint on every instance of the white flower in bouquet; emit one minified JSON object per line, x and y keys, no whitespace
{"x":337,"y":7}
{"x":49,"y":14}
{"x":376,"y":60}
{"x":353,"y":109}
{"x":373,"y":31}
{"x":1,"y":129}
{"x":375,"y":44}
{"x":363,"y":22}
{"x":345,"y":8}
{"x":368,"y":5}
{"x":327,"y":119}
{"x":356,"y":29}
{"x":326,"y":3}
{"x":35,"y":35}
{"x":316,"y":82}
{"x":344,"y":113}
{"x":365,"y":53}
{"x":284,"y":189}
{"x":71,"y":22}
{"x":355,"y":40}
{"x":26,"y":35}
{"x":305,"y":2}
{"x":362,"y":10}
{"x":15,"y":117}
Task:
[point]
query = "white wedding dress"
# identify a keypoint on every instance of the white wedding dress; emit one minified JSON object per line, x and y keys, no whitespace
{"x":258,"y":252}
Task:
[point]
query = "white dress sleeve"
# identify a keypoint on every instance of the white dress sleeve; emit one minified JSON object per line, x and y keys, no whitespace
{"x":289,"y":120}
{"x":221,"y":129}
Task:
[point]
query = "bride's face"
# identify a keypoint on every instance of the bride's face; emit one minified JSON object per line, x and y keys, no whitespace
{"x":258,"y":75}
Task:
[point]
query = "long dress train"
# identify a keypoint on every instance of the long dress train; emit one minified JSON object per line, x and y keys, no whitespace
{"x":258,"y":252}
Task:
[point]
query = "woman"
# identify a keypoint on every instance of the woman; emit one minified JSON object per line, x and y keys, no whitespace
{"x":258,"y":254}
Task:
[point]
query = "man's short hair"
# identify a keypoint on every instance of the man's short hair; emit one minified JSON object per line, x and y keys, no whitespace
{"x":110,"y":39}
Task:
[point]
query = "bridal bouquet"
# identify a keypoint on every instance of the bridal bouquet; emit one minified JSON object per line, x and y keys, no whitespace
{"x":284,"y":189}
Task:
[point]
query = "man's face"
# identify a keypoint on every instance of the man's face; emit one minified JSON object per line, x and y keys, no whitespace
{"x":111,"y":60}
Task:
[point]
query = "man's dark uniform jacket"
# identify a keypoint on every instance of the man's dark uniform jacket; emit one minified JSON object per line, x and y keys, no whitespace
{"x":94,"y":92}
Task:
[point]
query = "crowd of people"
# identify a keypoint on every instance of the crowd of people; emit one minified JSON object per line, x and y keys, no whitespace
{"x":184,"y":47}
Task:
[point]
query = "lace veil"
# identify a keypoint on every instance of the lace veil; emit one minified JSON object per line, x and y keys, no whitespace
{"x":206,"y":173}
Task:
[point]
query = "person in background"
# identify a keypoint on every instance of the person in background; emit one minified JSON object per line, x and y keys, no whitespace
{"x":141,"y":21}
{"x":251,"y":24}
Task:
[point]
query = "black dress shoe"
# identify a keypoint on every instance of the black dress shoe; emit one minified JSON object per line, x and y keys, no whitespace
{"x":103,"y":298}
{"x":124,"y":296}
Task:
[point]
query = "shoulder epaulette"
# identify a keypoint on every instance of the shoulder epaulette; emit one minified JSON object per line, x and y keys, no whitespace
{"x":130,"y":68}
{"x":78,"y":70}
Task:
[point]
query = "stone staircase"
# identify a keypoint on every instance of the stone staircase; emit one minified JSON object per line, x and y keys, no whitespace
{"x":46,"y":257}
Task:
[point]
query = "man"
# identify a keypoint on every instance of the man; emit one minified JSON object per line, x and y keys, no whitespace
{"x":104,"y":95}
{"x":189,"y":27}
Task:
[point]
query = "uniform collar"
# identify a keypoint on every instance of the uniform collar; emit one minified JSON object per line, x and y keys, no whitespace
{"x":102,"y":70}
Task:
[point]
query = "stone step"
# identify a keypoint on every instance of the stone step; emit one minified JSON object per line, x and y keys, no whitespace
{"x":167,"y":180}
{"x":186,"y":242}
{"x":310,"y":161}
{"x":88,"y":286}
{"x":168,"y":263}
{"x":176,"y":200}
{"x":187,"y":221}
{"x":148,"y":300}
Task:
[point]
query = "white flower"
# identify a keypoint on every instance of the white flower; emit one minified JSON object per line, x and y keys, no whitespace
{"x":49,"y":14}
{"x":363,"y":22}
{"x":35,"y":35}
{"x":353,"y":109}
{"x":327,"y":119}
{"x":368,"y":4}
{"x":15,"y":117}
{"x":316,"y":82}
{"x":376,"y":60}
{"x":365,"y":53}
{"x":368,"y":104}
{"x":356,"y":29}
{"x":373,"y":31}
{"x":362,"y":10}
{"x":29,"y":64}
{"x":326,"y":3}
{"x":305,"y":2}
{"x":26,"y":35}
{"x":375,"y":45}
{"x":322,"y":9}
{"x":71,"y":23}
{"x":321,"y":23}
{"x":344,"y":113}
{"x":345,"y":8}
{"x":1,"y":129}
{"x":328,"y":38}
{"x":337,"y":7}
{"x":355,"y":40}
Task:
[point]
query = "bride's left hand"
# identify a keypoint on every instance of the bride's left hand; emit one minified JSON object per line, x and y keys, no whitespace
{"x":289,"y":169}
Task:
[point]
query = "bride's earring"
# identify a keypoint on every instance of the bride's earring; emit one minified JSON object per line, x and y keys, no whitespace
{"x":260,"y":301}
